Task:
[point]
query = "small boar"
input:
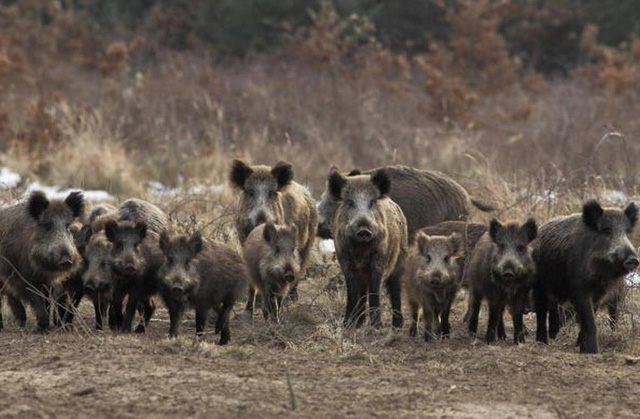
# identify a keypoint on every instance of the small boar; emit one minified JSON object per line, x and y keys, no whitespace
{"x":370,"y":234}
{"x":502,"y":271}
{"x":581,"y":258}
{"x":274,"y":263}
{"x":97,"y":278}
{"x":425,"y":197}
{"x":37,"y":249}
{"x":432,"y":280}
{"x":271,"y":195}
{"x":202,"y":275}
{"x":135,"y":260}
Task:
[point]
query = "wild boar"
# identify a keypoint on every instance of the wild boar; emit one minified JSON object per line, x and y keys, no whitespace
{"x":432,"y":280}
{"x":370,"y":234}
{"x":37,"y":249}
{"x":203,"y":275}
{"x":581,"y":258}
{"x":502,"y":271}
{"x":274,"y":263}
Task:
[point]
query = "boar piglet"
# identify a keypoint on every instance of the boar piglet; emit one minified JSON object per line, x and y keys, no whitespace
{"x":273,"y":260}
{"x":502,"y":271}
{"x":370,"y":234}
{"x":135,"y":260}
{"x":582,"y":259}
{"x":38,"y":253}
{"x":202,"y":275}
{"x":97,"y":279}
{"x":432,"y":281}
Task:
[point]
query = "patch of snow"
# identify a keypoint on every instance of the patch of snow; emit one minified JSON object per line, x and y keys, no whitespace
{"x":633,"y":279}
{"x":8,"y":178}
{"x":160,"y":190}
{"x":546,"y":195}
{"x":615,"y":197}
{"x":327,"y":246}
{"x":56,"y":192}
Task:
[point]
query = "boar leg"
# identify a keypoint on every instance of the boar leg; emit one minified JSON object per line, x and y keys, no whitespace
{"x":394,"y":289}
{"x":427,"y":323}
{"x":542,"y":308}
{"x":413,"y":329}
{"x":42,"y":314}
{"x":223,"y":322}
{"x":374,"y":305}
{"x":292,"y":296}
{"x":495,"y":312}
{"x":474,"y":311}
{"x":18,"y":311}
{"x":251,"y":300}
{"x":554,"y":319}
{"x":148,"y":308}
{"x":612,"y":308}
{"x":269,"y":306}
{"x":201,"y":321}
{"x":502,"y":334}
{"x":361,"y":304}
{"x":445,"y":326}
{"x":175,"y":315}
{"x":130,"y":311}
{"x":352,"y":299}
{"x":517,"y":313}
{"x":588,"y":335}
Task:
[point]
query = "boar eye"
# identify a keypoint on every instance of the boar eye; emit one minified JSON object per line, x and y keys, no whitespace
{"x":501,"y":247}
{"x":251,"y":193}
{"x":372,"y":203}
{"x":169,"y":261}
{"x":350,"y":203}
{"x":447,"y":259}
{"x":428,"y":258}
{"x":277,"y":250}
{"x":607,"y":230}
{"x":521,"y":249}
{"x":272,"y":194}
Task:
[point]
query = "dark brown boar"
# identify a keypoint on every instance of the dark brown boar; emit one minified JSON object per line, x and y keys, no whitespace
{"x":134,"y":261}
{"x":271,"y":195}
{"x":425,"y":197}
{"x":203,"y":275}
{"x":581,"y":258}
{"x":501,"y":270}
{"x":370,"y":234}
{"x":274,"y":263}
{"x":432,"y":280}
{"x":136,"y":209}
{"x":97,"y":279}
{"x":37,"y":249}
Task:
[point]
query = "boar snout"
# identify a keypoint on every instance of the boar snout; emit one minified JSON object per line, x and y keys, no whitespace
{"x":631,"y":263}
{"x":288,"y":274}
{"x":437,"y":278}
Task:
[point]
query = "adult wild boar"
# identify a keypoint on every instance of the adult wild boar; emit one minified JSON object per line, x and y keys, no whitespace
{"x":203,"y":275}
{"x":273,"y":260}
{"x":581,"y":258}
{"x":432,"y":280}
{"x":502,"y":270}
{"x":425,"y":197}
{"x":37,"y":249}
{"x":271,"y":195}
{"x":370,"y":233}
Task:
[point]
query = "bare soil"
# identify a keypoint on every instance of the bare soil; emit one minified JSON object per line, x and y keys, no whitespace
{"x":310,"y":367}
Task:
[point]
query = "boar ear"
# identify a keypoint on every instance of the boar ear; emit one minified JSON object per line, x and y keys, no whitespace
{"x":283,"y":172}
{"x":456,"y":243}
{"x":141,"y":229}
{"x":164,"y":242}
{"x":530,"y":230}
{"x":195,"y":243}
{"x":336,"y":183}
{"x":110,"y":230}
{"x":354,"y":172}
{"x":591,"y":213}
{"x":75,"y":201}
{"x":494,"y":228}
{"x":631,"y":211}
{"x":269,"y":232}
{"x":38,"y":203}
{"x":240,"y":171}
{"x":423,"y":241}
{"x":381,"y":179}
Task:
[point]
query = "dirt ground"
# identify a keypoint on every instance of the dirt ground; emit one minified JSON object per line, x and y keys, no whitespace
{"x":310,"y":367}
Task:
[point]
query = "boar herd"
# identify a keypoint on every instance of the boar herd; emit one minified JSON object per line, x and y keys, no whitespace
{"x":404,"y":228}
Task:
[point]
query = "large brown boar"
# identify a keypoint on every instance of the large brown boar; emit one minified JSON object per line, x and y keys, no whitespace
{"x":274,"y":263}
{"x":135,"y":259}
{"x":271,"y":195}
{"x":581,"y":258}
{"x":370,"y":233}
{"x":501,"y":270}
{"x":425,"y":197}
{"x":203,"y":275}
{"x":37,"y":249}
{"x":432,"y":280}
